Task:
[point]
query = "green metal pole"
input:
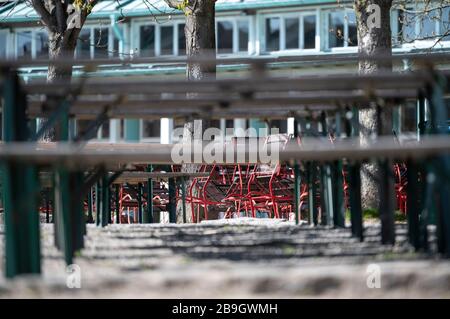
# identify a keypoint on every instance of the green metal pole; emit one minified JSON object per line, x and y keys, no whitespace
{"x":183,"y":198}
{"x":297,"y":181}
{"x":105,"y":200}
{"x":387,"y":192}
{"x":297,"y":184}
{"x":90,"y":217}
{"x":355,"y":200}
{"x":312,"y":192}
{"x":413,"y":204}
{"x":149,"y":216}
{"x":326,"y":196}
{"x":338,"y":183}
{"x":338,"y":195}
{"x":438,"y":176}
{"x":20,"y":187}
{"x":98,"y":201}
{"x":108,"y":204}
{"x":355,"y":185}
{"x":47,"y":205}
{"x":139,"y":200}
{"x":172,"y":201}
{"x":117,"y":193}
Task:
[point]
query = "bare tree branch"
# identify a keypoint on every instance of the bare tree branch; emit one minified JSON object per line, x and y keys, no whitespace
{"x":46,"y":16}
{"x":175,"y":4}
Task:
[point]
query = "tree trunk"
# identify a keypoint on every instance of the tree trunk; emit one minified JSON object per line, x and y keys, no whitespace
{"x":201,"y":39}
{"x":373,"y":41}
{"x":61,"y":48}
{"x":200,"y":43}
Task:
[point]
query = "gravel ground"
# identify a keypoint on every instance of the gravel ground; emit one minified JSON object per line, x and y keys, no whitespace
{"x":245,"y":258}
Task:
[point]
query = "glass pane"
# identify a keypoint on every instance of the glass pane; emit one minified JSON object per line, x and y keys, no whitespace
{"x":309,"y":32}
{"x":167,"y":40}
{"x":181,"y":40}
{"x":445,"y":23}
{"x":101,"y":43}
{"x":427,"y":25}
{"x":336,"y":29}
{"x":352,"y":30}
{"x":281,"y":125}
{"x":84,"y":44}
{"x":151,"y":128}
{"x":229,"y":124}
{"x":273,"y":34}
{"x":3,"y":37}
{"x":225,"y":37}
{"x":105,"y":131}
{"x":147,"y":40}
{"x":122,"y":128}
{"x":82,"y":126}
{"x":214,"y":124}
{"x":115,"y":51}
{"x":24,"y":44}
{"x":292,"y":32}
{"x":41,"y":45}
{"x":243,"y":36}
{"x":408,"y":26}
{"x":116,"y":44}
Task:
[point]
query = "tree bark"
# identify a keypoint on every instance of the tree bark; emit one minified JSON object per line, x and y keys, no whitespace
{"x":61,"y":46}
{"x":57,"y":17}
{"x":201,"y":39}
{"x":200,"y":43}
{"x":373,"y":41}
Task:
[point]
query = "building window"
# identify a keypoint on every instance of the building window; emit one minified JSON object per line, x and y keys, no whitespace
{"x":166,"y":40}
{"x":291,"y":32}
{"x":424,"y":26}
{"x":103,"y":132}
{"x":96,"y":42}
{"x":281,"y":125}
{"x":243,"y":34}
{"x":151,"y":129}
{"x":309,"y":32}
{"x":23,"y":40}
{"x":225,"y":37}
{"x":82,"y":127}
{"x":232,"y":35}
{"x":352,"y":31}
{"x":41,"y":45}
{"x":427,"y":25}
{"x":292,"y":26}
{"x":273,"y":34}
{"x":84,"y":44}
{"x":181,"y":39}
{"x":3,"y":45}
{"x":445,"y":24}
{"x":342,"y":29}
{"x":147,"y":40}
{"x":161,"y":40}
{"x":101,"y":41}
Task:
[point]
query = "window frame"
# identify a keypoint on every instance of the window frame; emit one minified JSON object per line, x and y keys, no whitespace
{"x":142,"y":138}
{"x":346,"y":47}
{"x":418,"y":43}
{"x":15,"y":33}
{"x":111,"y":37}
{"x":136,"y":40}
{"x":300,"y":15}
{"x":8,"y":44}
{"x":235,"y":23}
